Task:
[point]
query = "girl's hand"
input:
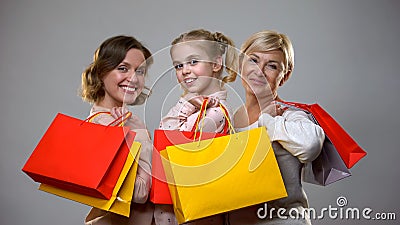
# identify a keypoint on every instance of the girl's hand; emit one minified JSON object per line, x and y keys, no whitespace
{"x":194,"y":99}
{"x":213,"y":102}
{"x":197,"y":100}
{"x":273,"y":109}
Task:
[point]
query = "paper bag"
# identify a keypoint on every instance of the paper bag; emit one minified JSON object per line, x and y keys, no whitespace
{"x":213,"y":176}
{"x":120,"y":201}
{"x":159,"y":192}
{"x":80,"y":156}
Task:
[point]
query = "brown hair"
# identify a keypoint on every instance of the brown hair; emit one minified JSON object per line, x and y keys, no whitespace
{"x":106,"y":58}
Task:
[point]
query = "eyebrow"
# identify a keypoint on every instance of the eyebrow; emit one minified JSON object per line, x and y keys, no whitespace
{"x":129,"y":65}
{"x":271,"y":60}
{"x":188,"y":58}
{"x":252,"y":54}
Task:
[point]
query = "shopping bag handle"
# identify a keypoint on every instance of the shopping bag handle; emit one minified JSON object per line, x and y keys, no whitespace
{"x":202,"y":114}
{"x":228,"y":120}
{"x":295,"y":105}
{"x":122,"y":119}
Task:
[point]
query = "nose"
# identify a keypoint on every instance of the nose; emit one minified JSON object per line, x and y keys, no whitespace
{"x":132,"y":78}
{"x":185,"y":69}
{"x":259,"y":72}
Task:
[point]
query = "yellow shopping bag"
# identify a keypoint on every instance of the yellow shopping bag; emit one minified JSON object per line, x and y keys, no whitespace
{"x":121,"y":198}
{"x":213,"y":176}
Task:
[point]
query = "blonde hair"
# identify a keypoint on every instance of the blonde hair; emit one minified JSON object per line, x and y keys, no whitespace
{"x":220,"y":44}
{"x":268,"y":40}
{"x":106,"y":58}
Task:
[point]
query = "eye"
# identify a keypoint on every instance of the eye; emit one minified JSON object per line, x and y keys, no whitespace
{"x":140,"y":71}
{"x":193,"y":62}
{"x":272,"y":66}
{"x":253,"y":60}
{"x":123,"y":69}
{"x":178,"y":66}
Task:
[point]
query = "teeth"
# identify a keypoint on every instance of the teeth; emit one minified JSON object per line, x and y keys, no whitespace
{"x":190,"y":80}
{"x":128,"y":88}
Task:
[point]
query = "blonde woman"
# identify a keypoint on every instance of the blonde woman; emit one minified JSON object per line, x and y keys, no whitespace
{"x":266,"y":63}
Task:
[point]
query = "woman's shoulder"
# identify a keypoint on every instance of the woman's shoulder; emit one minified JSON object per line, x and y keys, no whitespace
{"x":240,"y":118}
{"x":293,"y":114}
{"x":100,"y":115}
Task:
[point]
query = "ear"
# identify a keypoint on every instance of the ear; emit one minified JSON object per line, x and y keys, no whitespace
{"x":217,"y":65}
{"x":285,"y":77}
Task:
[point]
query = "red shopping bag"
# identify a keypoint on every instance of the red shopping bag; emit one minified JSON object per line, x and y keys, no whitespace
{"x":159,"y":193}
{"x":346,"y":146}
{"x":80,"y":156}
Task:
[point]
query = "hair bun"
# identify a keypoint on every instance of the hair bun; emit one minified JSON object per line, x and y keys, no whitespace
{"x":221,"y":39}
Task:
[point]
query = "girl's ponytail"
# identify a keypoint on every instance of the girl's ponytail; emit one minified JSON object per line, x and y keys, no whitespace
{"x":226,"y":46}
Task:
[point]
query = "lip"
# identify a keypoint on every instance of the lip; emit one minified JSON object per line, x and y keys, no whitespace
{"x":128,"y":89}
{"x":257,"y":82}
{"x":189,"y":81}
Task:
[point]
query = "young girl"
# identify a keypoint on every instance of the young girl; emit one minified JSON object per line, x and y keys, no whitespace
{"x":198,"y":60}
{"x":115,"y":78}
{"x":266,"y":64}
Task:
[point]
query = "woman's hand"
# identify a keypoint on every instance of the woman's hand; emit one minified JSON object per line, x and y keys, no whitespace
{"x":273,"y":109}
{"x":133,"y":121}
{"x":118,"y":112}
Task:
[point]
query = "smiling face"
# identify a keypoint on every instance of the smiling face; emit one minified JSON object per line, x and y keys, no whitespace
{"x":263,"y":73}
{"x":195,"y":70}
{"x":124,"y":83}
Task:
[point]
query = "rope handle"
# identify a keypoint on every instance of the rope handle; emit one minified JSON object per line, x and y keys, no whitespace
{"x":294,"y":105}
{"x":202,"y":114}
{"x":122,"y":119}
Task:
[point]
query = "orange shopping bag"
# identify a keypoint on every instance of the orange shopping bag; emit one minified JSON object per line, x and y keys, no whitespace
{"x":80,"y":156}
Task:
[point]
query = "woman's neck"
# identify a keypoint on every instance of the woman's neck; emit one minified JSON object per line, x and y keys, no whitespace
{"x":107,"y":104}
{"x":252,"y":108}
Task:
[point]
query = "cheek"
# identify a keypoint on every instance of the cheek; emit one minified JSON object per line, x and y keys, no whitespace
{"x":245,"y":71}
{"x":245,"y":82}
{"x":141,"y":82}
{"x":179,"y":77}
{"x":278,"y":79}
{"x":203,"y":70}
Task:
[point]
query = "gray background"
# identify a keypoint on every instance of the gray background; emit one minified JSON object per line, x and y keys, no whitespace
{"x":346,"y":60}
